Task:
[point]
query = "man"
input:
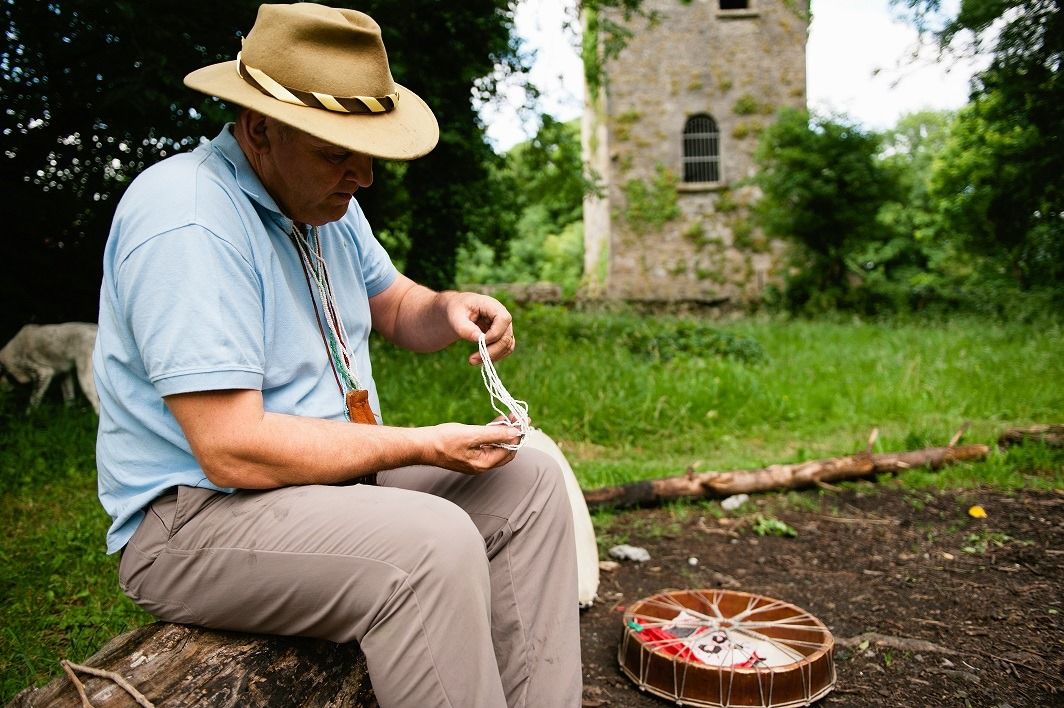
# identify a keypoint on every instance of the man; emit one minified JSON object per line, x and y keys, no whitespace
{"x":241,"y":281}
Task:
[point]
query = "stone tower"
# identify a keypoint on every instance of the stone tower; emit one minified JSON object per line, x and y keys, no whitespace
{"x":670,"y":133}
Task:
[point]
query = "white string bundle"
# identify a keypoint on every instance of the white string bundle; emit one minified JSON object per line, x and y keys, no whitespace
{"x":516,"y":413}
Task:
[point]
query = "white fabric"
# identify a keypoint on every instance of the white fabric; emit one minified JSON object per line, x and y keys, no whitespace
{"x":587,"y":561}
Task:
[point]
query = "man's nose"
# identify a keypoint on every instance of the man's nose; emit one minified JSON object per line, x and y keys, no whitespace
{"x":360,"y":169}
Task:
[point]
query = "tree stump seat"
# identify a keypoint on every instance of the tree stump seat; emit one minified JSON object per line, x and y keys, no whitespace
{"x":177,"y":665}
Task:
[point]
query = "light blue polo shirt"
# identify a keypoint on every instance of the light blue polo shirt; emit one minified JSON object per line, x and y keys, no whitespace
{"x":203,"y":290}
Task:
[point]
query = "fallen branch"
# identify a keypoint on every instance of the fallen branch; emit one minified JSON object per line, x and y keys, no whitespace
{"x":1052,"y":435}
{"x":172,"y":665}
{"x":793,"y":476}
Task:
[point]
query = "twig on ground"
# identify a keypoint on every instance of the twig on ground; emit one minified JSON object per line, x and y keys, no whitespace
{"x":71,"y":667}
{"x":959,"y":434}
{"x":848,"y":520}
{"x":77,"y":684}
{"x":902,"y":643}
{"x":872,"y":437}
{"x":1014,"y":662}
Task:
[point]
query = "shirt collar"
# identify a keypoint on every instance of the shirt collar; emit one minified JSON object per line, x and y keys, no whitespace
{"x":226,"y":145}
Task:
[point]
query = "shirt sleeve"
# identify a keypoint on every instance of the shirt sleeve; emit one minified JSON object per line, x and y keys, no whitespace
{"x":194,"y":305}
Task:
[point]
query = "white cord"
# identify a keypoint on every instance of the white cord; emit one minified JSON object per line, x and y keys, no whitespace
{"x":516,"y":415}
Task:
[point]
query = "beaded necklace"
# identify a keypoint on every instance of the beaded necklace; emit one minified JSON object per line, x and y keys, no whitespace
{"x":333,"y":335}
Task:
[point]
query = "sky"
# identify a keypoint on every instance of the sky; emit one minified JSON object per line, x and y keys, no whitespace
{"x":859,"y":61}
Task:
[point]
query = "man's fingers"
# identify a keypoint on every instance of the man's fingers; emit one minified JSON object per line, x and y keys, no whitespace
{"x":497,"y":350}
{"x":500,"y":432}
{"x":501,"y":323}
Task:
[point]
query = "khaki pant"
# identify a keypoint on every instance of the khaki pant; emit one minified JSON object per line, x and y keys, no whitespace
{"x":461,"y":590}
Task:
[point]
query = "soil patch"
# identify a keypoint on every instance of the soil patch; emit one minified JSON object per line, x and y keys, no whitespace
{"x":911,"y":565}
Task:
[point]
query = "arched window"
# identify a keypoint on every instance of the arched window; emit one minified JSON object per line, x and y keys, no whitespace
{"x":701,"y":150}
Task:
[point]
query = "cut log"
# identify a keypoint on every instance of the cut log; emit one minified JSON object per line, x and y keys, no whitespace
{"x":1052,"y":435}
{"x":793,"y":476}
{"x":174,"y":665}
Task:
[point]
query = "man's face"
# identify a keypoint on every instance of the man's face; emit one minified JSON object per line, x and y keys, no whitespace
{"x":311,"y":180}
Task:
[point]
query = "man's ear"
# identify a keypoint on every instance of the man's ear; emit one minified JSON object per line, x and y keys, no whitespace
{"x":252,"y":126}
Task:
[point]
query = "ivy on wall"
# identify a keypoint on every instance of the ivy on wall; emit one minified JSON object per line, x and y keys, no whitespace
{"x":650,"y":204}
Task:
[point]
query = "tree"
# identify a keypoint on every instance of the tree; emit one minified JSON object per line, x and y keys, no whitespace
{"x":541,"y":186}
{"x":1001,"y":181}
{"x":93,"y":95}
{"x":915,"y":263}
{"x":449,"y":53}
{"x":985,"y":189}
{"x":822,"y":188}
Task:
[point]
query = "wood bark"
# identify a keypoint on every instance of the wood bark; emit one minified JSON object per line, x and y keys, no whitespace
{"x":176,"y":665}
{"x":1051,"y":434}
{"x":793,"y":476}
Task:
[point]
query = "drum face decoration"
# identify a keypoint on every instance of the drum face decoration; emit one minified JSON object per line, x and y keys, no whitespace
{"x":725,"y":649}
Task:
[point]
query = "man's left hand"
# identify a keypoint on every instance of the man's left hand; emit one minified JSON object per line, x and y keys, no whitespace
{"x":471,"y":313}
{"x":422,"y":320}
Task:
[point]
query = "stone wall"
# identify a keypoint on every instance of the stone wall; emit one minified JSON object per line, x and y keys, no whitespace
{"x":651,"y":236}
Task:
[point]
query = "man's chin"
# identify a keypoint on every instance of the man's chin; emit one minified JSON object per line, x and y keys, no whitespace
{"x":330,"y":214}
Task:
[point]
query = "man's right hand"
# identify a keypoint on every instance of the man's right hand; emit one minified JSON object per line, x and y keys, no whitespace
{"x":470,"y":449}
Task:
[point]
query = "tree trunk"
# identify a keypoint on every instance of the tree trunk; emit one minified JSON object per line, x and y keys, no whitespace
{"x":794,"y":476}
{"x":175,"y":665}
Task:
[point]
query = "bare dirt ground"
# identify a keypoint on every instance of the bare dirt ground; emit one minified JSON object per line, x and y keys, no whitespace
{"x":911,"y":565}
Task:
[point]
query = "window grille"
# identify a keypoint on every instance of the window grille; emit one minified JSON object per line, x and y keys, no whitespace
{"x":701,"y":150}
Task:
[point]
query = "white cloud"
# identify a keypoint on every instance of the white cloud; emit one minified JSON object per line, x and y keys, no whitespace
{"x":859,"y":62}
{"x":865,"y":62}
{"x":557,"y":72}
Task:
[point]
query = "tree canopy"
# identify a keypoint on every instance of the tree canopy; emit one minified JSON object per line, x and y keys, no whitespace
{"x":1001,"y":178}
{"x":823,"y":188}
{"x":93,"y":95}
{"x":953,"y":209}
{"x":541,"y":186}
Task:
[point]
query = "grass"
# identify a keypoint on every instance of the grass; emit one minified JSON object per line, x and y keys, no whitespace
{"x":627,"y":398}
{"x":784,"y":391}
{"x":59,"y":594}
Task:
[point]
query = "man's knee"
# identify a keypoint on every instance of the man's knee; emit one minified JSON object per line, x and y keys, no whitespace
{"x":450,"y":548}
{"x":550,"y":480}
{"x":545,"y":502}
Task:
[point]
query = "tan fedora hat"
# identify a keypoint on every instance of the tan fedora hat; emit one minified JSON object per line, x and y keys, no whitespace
{"x":324,"y":71}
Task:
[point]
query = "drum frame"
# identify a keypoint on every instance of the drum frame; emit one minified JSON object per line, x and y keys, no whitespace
{"x":690,"y":682}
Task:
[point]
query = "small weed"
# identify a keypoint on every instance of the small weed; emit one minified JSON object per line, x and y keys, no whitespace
{"x":695,"y":233}
{"x":711,"y":508}
{"x":980,"y":542}
{"x":918,"y":502}
{"x":771,"y":526}
{"x":800,"y":501}
{"x":680,"y":510}
{"x":654,"y":528}
{"x":747,"y":105}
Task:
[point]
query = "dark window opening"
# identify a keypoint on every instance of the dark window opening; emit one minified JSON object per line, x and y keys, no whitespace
{"x":701,"y":150}
{"x":734,"y":4}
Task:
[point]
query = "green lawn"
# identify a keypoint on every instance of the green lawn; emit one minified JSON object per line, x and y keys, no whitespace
{"x":627,"y":397}
{"x":646,"y":397}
